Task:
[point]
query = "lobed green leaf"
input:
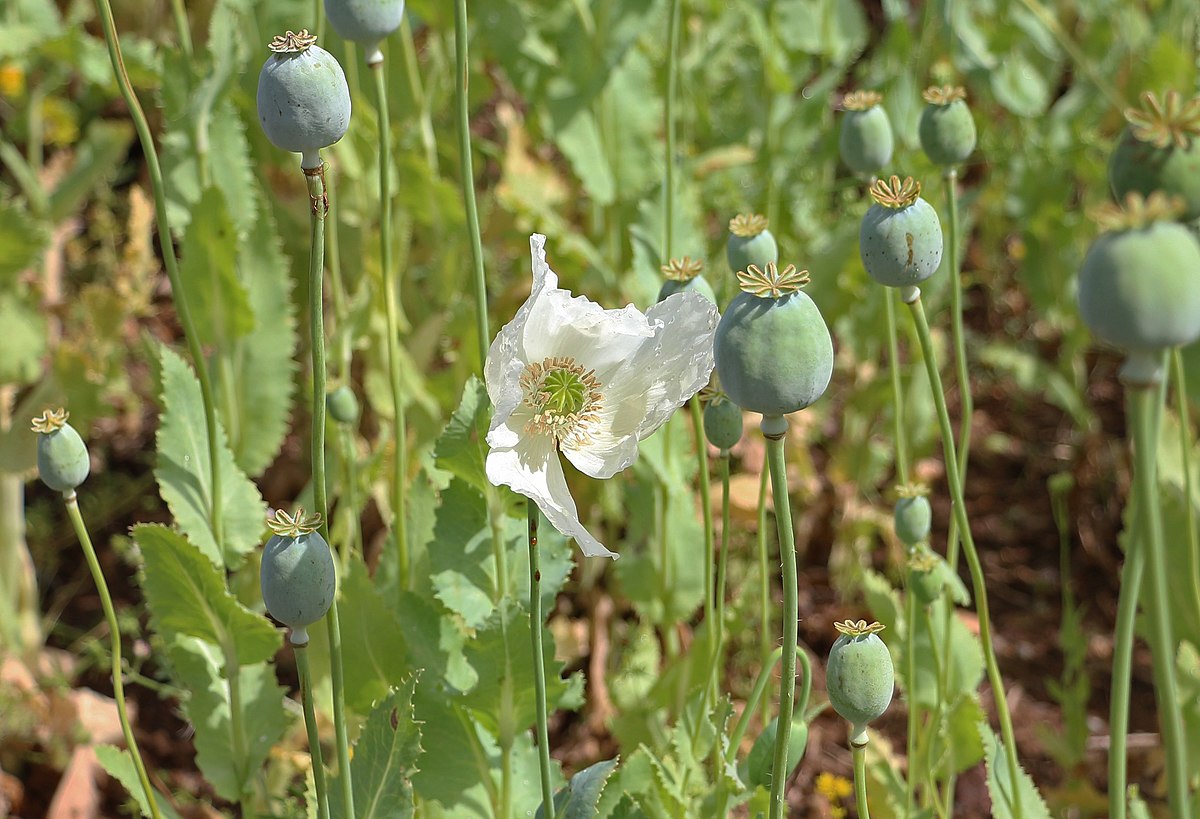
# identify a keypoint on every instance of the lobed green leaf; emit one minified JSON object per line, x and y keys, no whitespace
{"x":183,"y":475}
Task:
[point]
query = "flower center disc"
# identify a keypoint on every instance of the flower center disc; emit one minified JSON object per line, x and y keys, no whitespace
{"x":563,"y":396}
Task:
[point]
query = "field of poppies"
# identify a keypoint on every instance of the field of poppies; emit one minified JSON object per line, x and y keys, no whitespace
{"x":605,"y":408}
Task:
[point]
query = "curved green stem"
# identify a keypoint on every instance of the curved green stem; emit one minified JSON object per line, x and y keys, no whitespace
{"x":467,"y":173}
{"x":710,"y":556}
{"x":978,"y":587}
{"x":764,"y":575}
{"x":787,"y":685}
{"x":539,"y":668}
{"x":1122,"y":668}
{"x":958,"y":336}
{"x":183,"y":30}
{"x":114,"y":629}
{"x":756,"y":696}
{"x":914,"y":707}
{"x":860,"y":780}
{"x":391,"y":295}
{"x":669,"y":128}
{"x":1179,"y":375}
{"x":315,"y":179}
{"x":154,"y":170}
{"x":1142,"y":405}
{"x":304,"y":672}
{"x":412,"y":70}
{"x":899,"y":433}
{"x":723,"y":561}
{"x":719,"y":616}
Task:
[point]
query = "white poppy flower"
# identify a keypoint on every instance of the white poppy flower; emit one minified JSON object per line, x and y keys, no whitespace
{"x":567,"y":375}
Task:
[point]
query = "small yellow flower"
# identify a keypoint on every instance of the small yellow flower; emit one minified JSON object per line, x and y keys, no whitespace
{"x":12,"y":80}
{"x":833,"y":787}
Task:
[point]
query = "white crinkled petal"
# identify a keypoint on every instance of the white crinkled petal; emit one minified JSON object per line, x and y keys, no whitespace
{"x":612,"y":443}
{"x":564,"y":325}
{"x":532,"y":468}
{"x":641,"y":394}
{"x":675,"y":365}
{"x":506,"y":357}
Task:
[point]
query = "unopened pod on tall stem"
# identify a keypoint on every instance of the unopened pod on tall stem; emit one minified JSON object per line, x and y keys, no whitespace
{"x":900,"y":242}
{"x":304,"y":106}
{"x":774,"y":355}
{"x":1139,"y":289}
{"x":63,"y":464}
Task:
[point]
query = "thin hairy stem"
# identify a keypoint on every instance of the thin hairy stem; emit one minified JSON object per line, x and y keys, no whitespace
{"x":154,"y":170}
{"x":764,"y":575}
{"x":669,"y":128}
{"x":114,"y":633}
{"x":899,"y":433}
{"x":787,"y":685}
{"x":391,"y":297}
{"x":1143,"y":407}
{"x":978,"y":586}
{"x":304,"y":672}
{"x":1179,"y":375}
{"x":860,"y":779}
{"x":315,"y":179}
{"x":467,"y":173}
{"x":539,"y":669}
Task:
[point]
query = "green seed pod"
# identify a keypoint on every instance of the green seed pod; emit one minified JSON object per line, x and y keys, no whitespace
{"x":947,"y":129}
{"x":860,"y":677}
{"x":761,"y":758}
{"x":912,"y":516}
{"x":303,"y":99}
{"x":924,"y":577}
{"x":750,"y":243}
{"x":298,"y":575}
{"x":683,"y":276}
{"x":866,"y":141}
{"x":342,"y":405}
{"x":367,"y":22}
{"x":1139,"y":286}
{"x":773,"y":351}
{"x":900,"y":240}
{"x":62,"y":457}
{"x":723,"y":423}
{"x":1160,"y":151}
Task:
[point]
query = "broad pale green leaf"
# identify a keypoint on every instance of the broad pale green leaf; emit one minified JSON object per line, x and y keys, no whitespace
{"x":1020,"y":86}
{"x":450,"y":772}
{"x":22,"y":239}
{"x":462,"y":447}
{"x":374,"y":655}
{"x":580,"y":143}
{"x":958,"y":737}
{"x":198,"y":667}
{"x":385,"y":758}
{"x":262,"y":361}
{"x":659,"y":597}
{"x":966,"y":652}
{"x":24,"y":338}
{"x":184,"y":478}
{"x":502,"y":655}
{"x":1185,"y":608}
{"x":1000,"y":782}
{"x":102,"y":148}
{"x":186,"y":594}
{"x":119,"y":765}
{"x":18,"y":449}
{"x":461,"y":567}
{"x":219,"y":303}
{"x":579,"y":799}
